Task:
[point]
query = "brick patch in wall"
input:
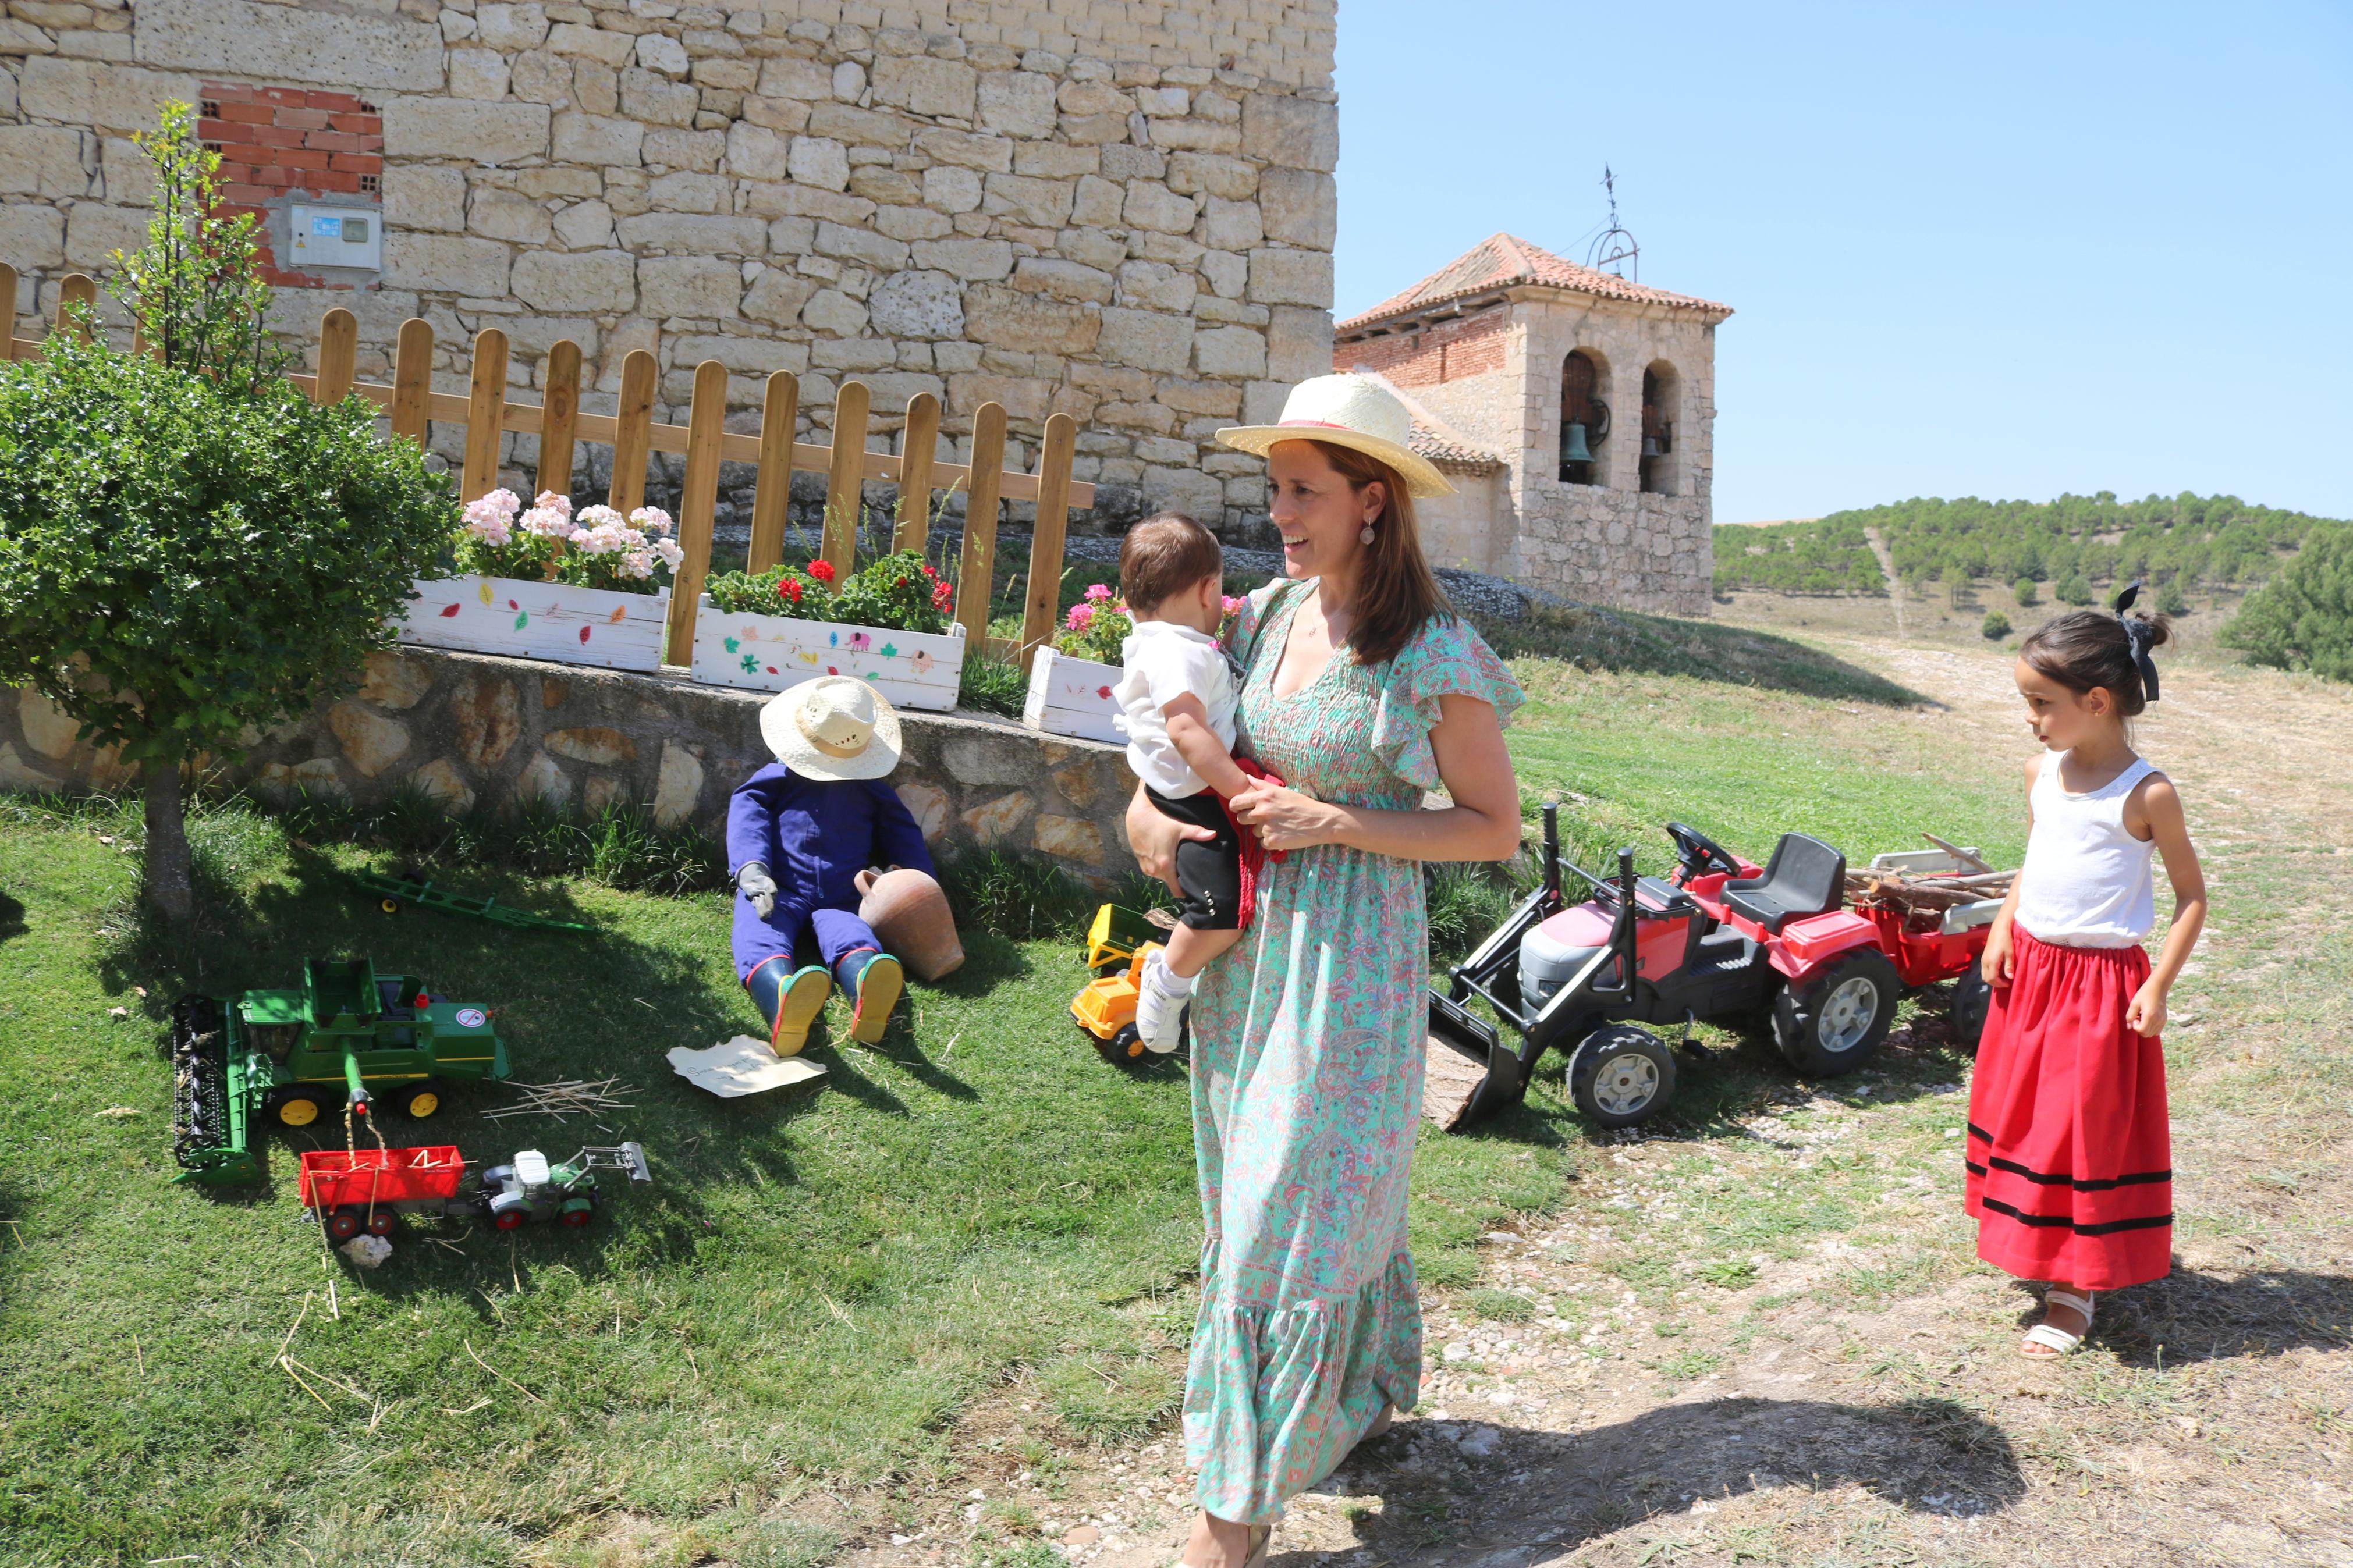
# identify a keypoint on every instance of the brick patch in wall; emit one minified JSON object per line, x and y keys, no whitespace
{"x":1446,"y":351}
{"x":277,"y":143}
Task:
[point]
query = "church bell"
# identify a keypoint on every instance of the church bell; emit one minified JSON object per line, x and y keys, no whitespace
{"x":1650,"y":448}
{"x":1573,"y":448}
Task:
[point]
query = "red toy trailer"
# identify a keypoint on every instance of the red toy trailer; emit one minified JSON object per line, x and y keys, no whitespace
{"x":1720,"y":937}
{"x":363,"y":1189}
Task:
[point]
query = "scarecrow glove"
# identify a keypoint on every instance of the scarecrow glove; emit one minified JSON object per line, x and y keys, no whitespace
{"x":756,"y":885}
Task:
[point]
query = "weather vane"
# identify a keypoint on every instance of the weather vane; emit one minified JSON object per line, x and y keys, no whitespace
{"x":1616,"y":249}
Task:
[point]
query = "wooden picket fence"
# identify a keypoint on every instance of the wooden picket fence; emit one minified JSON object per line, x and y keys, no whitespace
{"x":485,"y":414}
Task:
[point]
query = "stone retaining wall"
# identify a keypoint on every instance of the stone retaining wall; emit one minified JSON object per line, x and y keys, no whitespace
{"x":476,"y":732}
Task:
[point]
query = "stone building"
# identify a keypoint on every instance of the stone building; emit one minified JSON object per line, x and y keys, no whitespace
{"x":1120,"y":211}
{"x":1575,"y":412}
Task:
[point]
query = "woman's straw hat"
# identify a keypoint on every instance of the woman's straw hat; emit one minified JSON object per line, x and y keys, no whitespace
{"x":1358,"y":412}
{"x":833,"y":728}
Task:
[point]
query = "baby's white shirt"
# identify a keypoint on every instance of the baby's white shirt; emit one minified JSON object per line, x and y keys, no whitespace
{"x":1161,"y":661}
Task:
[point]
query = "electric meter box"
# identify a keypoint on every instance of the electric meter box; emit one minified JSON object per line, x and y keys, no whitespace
{"x":337,"y":237}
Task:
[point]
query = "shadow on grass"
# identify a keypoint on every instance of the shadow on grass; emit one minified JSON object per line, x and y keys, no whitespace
{"x":2194,"y":1316}
{"x":1931,"y":1456}
{"x":1629,"y":642}
{"x":12,"y":917}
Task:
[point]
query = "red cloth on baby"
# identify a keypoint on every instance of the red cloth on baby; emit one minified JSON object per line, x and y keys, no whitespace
{"x":1255,"y":855}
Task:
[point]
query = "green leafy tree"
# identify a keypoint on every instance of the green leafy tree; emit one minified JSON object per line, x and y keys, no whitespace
{"x":1996,"y":625}
{"x":2023,"y":591}
{"x":2171,"y":600}
{"x":191,"y":552}
{"x":2074,"y":591}
{"x":2303,"y":618}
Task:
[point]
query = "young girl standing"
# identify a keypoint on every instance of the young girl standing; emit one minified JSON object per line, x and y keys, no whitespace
{"x":2069,"y":1154}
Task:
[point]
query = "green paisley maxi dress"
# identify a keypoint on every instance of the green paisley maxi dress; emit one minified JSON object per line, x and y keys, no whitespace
{"x":1307,"y":1066}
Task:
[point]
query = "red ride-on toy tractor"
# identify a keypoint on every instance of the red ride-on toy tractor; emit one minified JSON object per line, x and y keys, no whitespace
{"x":1719,"y":938}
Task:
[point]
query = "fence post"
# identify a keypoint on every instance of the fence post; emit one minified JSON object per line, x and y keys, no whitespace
{"x":559,"y":409}
{"x":1046,"y":540}
{"x":412,"y":379}
{"x":705,"y":424}
{"x":76,"y":289}
{"x":771,"y":493}
{"x":634,"y":433}
{"x":917,"y":452}
{"x":486,"y":413}
{"x":846,"y":479}
{"x":7,"y":312}
{"x":977,"y":565}
{"x":339,"y":348}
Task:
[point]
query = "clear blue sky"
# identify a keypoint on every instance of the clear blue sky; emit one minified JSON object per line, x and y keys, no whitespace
{"x":1993,"y":249}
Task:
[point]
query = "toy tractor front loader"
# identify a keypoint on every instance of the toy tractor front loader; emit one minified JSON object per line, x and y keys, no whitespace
{"x":349,"y":1036}
{"x":1117,"y":945}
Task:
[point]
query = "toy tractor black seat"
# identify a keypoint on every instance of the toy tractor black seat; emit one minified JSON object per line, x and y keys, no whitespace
{"x":1805,"y":877}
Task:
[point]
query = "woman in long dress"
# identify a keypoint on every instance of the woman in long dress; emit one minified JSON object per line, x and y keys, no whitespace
{"x":1362,"y":692}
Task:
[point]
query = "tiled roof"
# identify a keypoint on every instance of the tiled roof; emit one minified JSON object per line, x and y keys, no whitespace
{"x":1449,"y":451}
{"x":1502,"y":261}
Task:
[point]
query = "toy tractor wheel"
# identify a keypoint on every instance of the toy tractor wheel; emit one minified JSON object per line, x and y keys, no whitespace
{"x":575,"y":1217}
{"x":418,"y":1100}
{"x":1834,"y":1022}
{"x":1125,"y":1045}
{"x":381,"y":1221}
{"x":1970,"y":997}
{"x":344,"y":1223}
{"x":298,"y":1107}
{"x":1621,"y":1075}
{"x":389,"y":906}
{"x":507,"y":1219}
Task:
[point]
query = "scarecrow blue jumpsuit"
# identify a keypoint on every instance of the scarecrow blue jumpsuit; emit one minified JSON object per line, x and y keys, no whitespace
{"x":814,"y":835}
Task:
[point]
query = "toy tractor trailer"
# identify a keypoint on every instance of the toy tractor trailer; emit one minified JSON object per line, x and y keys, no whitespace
{"x":367,"y":1189}
{"x":349,"y":1036}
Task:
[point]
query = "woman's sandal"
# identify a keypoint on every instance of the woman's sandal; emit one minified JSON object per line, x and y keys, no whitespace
{"x":1261,"y":1538}
{"x":2058,"y":1342}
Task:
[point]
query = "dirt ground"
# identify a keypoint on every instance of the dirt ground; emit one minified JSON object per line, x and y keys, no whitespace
{"x":1770,"y":1342}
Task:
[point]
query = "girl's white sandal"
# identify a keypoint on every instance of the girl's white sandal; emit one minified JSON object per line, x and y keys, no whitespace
{"x":2059,"y":1341}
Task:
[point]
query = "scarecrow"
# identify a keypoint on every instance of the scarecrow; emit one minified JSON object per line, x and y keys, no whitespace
{"x":799,"y":834}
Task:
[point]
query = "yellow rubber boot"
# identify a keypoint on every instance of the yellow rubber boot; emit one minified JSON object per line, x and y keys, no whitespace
{"x":878,"y":985}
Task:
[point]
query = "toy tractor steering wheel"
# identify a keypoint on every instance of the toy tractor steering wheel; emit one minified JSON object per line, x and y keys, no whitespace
{"x":1700,"y":854}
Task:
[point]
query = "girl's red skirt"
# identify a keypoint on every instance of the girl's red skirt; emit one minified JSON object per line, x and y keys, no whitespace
{"x":2070,"y":1157}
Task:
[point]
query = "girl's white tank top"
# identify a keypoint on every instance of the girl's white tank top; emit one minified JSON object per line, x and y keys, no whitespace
{"x":2087,"y":881}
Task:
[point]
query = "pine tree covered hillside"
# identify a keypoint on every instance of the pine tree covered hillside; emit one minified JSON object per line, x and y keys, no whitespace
{"x":2077,"y":544}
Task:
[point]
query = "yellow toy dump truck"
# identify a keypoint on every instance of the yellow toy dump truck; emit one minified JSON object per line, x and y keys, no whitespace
{"x":1117,"y":945}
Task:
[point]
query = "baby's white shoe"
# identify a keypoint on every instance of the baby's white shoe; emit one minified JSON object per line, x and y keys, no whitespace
{"x":1160,"y":1004}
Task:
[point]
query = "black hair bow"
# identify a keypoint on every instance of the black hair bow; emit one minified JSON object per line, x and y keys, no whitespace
{"x":2138,"y":635}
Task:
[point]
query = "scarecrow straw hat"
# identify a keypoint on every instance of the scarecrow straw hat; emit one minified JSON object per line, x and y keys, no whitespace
{"x":1358,"y":412}
{"x":833,"y":728}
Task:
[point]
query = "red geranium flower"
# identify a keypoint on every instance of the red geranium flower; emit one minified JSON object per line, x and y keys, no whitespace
{"x":822,"y":570}
{"x":899,"y":583}
{"x":789,"y":591}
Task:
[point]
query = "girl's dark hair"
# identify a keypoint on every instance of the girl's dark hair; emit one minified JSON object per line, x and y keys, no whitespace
{"x":1165,"y":555}
{"x":2085,"y":648}
{"x":1396,"y":594}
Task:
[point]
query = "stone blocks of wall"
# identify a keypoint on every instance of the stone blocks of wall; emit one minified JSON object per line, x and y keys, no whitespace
{"x":1083,"y":207}
{"x":476,"y":732}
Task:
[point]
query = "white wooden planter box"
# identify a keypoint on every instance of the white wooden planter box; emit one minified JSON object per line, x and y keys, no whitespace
{"x":529,"y":619}
{"x":1073,"y":697}
{"x":769,"y":653}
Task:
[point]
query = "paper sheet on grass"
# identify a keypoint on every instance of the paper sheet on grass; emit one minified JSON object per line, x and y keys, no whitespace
{"x":741,"y":1065}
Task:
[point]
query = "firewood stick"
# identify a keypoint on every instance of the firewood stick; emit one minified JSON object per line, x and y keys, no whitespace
{"x":1957,"y":853}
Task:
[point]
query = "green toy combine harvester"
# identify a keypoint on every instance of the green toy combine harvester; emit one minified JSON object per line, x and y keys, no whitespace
{"x":349,"y":1035}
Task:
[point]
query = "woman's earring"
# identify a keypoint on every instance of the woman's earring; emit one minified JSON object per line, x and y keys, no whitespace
{"x":1365,"y":535}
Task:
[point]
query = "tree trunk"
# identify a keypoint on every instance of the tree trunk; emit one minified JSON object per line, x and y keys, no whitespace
{"x":169,"y":890}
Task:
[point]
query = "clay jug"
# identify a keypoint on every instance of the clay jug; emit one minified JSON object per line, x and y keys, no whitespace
{"x":910,"y":912}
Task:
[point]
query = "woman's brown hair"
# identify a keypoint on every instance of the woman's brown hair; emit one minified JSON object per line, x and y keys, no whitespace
{"x":1396,"y":594}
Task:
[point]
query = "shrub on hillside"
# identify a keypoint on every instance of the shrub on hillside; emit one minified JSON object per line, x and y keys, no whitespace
{"x":2171,"y":600}
{"x":2073,"y":590}
{"x":1996,"y":625}
{"x":2303,"y":618}
{"x":2023,"y":591}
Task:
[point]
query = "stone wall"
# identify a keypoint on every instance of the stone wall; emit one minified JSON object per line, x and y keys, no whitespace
{"x":474,"y":731}
{"x":1121,"y":212}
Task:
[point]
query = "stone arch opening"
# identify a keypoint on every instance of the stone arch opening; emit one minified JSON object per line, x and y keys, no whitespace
{"x":1661,"y":388}
{"x":1584,"y":418}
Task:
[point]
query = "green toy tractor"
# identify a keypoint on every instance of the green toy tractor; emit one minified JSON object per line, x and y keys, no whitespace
{"x":349,"y":1036}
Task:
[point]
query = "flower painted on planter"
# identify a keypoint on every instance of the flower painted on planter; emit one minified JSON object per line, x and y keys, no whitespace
{"x":731,"y":645}
{"x":822,"y":570}
{"x":750,"y":664}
